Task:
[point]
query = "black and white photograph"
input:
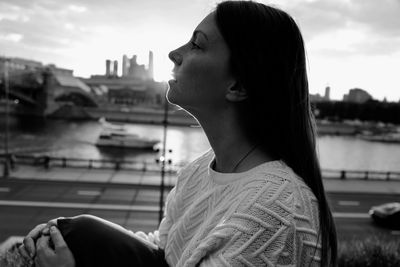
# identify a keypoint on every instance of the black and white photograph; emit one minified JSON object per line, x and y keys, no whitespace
{"x":199,"y":133}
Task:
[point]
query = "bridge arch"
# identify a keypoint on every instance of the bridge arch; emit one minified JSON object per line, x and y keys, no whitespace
{"x":79,"y":99}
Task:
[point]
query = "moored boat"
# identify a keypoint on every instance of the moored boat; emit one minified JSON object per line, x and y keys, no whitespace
{"x":114,"y":135}
{"x":385,"y":138}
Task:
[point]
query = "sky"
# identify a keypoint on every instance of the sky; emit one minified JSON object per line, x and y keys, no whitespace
{"x":349,"y":43}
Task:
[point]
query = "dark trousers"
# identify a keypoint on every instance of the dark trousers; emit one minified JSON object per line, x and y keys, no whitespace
{"x":95,"y":242}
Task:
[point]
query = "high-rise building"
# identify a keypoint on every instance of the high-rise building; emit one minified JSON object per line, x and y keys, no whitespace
{"x":125,"y":65}
{"x":115,"y":69}
{"x":151,"y":70}
{"x":108,"y":67}
{"x":136,"y":85}
{"x":130,"y":68}
{"x":327,"y":93}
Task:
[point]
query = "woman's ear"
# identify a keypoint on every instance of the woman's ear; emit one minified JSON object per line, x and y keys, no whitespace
{"x":236,"y":93}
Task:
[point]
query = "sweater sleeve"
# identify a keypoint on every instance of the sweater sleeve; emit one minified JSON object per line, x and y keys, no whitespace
{"x":265,"y":232}
{"x":252,"y":239}
{"x":167,"y":221}
{"x":159,"y":237}
{"x":172,"y":207}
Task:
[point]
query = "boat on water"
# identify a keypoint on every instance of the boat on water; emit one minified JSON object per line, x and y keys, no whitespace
{"x":384,"y":138}
{"x":112,"y":126}
{"x":117,"y":135}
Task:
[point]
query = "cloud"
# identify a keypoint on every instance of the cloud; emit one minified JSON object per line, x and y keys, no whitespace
{"x":11,"y":37}
{"x":69,"y":26}
{"x":76,"y":33}
{"x":376,"y":21}
{"x":77,"y":9}
{"x":49,"y":26}
{"x":381,"y":17}
{"x":12,"y":12}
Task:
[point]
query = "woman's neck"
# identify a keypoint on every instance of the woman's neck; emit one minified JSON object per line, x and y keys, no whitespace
{"x":234,"y":151}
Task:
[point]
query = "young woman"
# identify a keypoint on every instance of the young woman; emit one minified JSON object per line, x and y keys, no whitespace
{"x":256,"y":198}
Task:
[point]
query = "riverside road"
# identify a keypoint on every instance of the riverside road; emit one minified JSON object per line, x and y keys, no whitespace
{"x":132,"y":199}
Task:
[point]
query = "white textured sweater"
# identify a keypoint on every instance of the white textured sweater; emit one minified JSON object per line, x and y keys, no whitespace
{"x":266,"y":216}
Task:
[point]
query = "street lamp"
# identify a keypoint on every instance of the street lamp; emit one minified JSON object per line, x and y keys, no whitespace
{"x":6,"y":90}
{"x":162,"y":161}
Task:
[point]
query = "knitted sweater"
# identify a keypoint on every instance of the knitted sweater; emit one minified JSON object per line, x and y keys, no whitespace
{"x":266,"y":216}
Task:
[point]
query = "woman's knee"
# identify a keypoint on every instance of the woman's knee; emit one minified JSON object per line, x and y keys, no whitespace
{"x":84,"y":226}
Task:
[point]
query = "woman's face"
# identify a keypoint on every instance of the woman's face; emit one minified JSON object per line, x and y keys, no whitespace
{"x":202,"y":73}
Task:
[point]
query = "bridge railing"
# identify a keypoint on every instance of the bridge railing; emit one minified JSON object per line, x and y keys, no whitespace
{"x":155,"y":166}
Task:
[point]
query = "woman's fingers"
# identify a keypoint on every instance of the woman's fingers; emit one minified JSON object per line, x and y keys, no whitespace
{"x":151,"y":237}
{"x":28,"y":249}
{"x":58,"y":256}
{"x":54,"y":221}
{"x":141,"y":234}
{"x":29,"y":240}
{"x":57,"y":239}
{"x":42,"y":244}
{"x":49,"y":224}
{"x":44,"y":251}
{"x":24,"y":253}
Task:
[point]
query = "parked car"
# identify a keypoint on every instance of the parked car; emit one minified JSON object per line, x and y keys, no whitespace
{"x":387,"y":215}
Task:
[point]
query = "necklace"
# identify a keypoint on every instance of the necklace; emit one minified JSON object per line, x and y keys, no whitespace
{"x":243,"y":158}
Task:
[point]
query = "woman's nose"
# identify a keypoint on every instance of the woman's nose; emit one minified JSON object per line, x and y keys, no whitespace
{"x":175,"y":56}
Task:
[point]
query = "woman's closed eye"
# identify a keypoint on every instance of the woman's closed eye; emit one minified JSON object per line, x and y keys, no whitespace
{"x":193,"y":45}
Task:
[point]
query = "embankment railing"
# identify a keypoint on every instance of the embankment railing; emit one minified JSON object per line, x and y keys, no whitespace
{"x":155,"y":166}
{"x":50,"y":161}
{"x":361,"y":174}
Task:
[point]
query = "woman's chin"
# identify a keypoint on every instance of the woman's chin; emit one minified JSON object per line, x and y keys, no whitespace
{"x":177,"y":97}
{"x":171,"y":98}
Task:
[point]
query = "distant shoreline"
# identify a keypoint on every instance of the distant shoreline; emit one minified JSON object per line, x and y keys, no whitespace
{"x":116,"y":114}
{"x":175,"y":117}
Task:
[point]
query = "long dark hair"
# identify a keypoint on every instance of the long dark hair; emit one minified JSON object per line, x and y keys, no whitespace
{"x":268,"y":60}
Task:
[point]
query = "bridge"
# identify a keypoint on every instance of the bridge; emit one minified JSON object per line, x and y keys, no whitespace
{"x":44,"y":91}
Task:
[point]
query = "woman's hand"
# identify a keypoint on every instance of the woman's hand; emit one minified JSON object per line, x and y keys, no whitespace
{"x":28,"y":248}
{"x":59,"y":256}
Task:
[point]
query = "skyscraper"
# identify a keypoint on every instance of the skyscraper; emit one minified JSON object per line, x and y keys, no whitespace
{"x":125,"y":65}
{"x":115,"y":69}
{"x":108,"y":67}
{"x":151,"y":66}
{"x":327,"y":93}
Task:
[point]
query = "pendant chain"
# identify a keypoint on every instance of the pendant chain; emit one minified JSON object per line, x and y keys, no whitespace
{"x":243,"y":158}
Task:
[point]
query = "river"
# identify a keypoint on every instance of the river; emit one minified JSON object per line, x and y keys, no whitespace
{"x":77,"y":140}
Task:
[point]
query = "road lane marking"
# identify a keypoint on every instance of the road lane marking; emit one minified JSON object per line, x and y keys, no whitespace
{"x":65,"y":205}
{"x":348,"y":203}
{"x":350,"y":215}
{"x":90,"y":193}
{"x":137,"y":208}
{"x":4,"y":189}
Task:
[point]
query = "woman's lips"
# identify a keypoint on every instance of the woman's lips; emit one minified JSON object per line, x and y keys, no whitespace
{"x":174,"y":78}
{"x":172,"y":81}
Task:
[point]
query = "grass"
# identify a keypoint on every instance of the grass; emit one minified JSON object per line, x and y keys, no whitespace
{"x":374,"y":251}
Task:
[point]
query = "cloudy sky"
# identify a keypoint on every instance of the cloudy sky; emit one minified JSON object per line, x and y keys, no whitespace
{"x":350,"y":43}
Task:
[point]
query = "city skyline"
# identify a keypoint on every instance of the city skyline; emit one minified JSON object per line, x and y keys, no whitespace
{"x":350,"y":43}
